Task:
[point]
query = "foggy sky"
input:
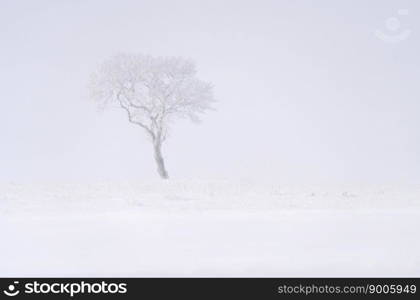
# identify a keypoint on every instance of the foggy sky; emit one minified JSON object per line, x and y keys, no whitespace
{"x":306,"y":91}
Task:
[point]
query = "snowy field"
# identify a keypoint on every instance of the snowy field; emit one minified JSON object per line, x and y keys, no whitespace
{"x":208,"y":228}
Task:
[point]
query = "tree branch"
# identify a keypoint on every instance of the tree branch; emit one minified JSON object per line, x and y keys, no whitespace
{"x":131,"y":119}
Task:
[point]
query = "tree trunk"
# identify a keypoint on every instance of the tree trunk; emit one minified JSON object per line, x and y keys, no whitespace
{"x":160,"y":162}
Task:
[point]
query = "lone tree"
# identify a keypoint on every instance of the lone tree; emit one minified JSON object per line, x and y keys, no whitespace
{"x":153,"y":91}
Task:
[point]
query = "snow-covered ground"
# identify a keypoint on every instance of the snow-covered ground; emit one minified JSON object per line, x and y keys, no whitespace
{"x":208,"y":228}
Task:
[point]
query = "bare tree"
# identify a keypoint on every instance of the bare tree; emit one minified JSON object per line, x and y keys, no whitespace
{"x":153,"y":91}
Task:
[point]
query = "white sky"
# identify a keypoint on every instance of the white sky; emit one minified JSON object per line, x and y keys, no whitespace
{"x":306,"y":92}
